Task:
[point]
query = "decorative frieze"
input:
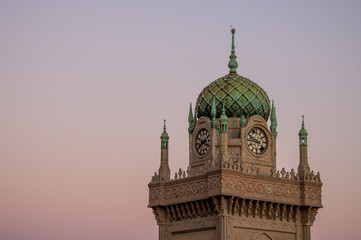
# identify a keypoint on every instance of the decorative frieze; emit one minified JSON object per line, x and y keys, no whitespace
{"x":222,"y":182}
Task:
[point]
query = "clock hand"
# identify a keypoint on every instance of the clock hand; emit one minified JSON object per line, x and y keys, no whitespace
{"x":254,"y":140}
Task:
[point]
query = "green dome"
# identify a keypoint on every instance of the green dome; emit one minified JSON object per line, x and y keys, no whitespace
{"x":239,"y":95}
{"x":303,"y":132}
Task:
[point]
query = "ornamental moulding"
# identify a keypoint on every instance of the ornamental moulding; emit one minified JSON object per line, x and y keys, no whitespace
{"x":229,"y":183}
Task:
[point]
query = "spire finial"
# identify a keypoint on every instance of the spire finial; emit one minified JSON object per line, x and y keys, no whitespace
{"x":190,"y":120}
{"x":232,"y":64}
{"x":273,"y":126}
{"x":303,"y":133}
{"x":164,"y":137}
{"x":164,"y":127}
{"x":190,"y":115}
{"x":303,"y":121}
{"x":233,"y":47}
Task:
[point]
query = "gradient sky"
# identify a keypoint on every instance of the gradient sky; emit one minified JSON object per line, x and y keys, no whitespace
{"x":85,"y":86}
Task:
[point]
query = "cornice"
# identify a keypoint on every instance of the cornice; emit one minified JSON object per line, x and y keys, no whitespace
{"x":234,"y":183}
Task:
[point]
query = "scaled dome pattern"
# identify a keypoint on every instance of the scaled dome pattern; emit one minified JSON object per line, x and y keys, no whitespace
{"x":239,"y":95}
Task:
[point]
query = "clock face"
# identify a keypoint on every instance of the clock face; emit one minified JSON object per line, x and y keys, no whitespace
{"x":257,"y":141}
{"x":203,"y":142}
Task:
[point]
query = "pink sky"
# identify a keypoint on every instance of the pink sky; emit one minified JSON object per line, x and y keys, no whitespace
{"x":85,"y":86}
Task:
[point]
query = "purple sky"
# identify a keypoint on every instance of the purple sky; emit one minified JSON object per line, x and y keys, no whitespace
{"x":85,"y":86}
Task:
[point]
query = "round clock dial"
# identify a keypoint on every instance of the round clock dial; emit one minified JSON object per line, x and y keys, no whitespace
{"x":203,"y":142}
{"x":257,"y":141}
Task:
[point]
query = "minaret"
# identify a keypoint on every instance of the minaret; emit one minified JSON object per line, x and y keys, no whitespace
{"x":223,"y":129}
{"x":191,"y":125}
{"x":303,"y":167}
{"x":273,"y":129}
{"x":164,"y":171}
{"x":232,"y":64}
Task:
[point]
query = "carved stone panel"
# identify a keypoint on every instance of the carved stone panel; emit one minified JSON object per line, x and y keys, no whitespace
{"x":265,"y":224}
{"x":198,"y":224}
{"x":207,"y":234}
{"x":253,"y":234}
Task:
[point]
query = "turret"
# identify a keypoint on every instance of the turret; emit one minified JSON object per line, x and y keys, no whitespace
{"x":303,"y":167}
{"x":191,"y":126}
{"x":223,"y":122}
{"x":190,"y":120}
{"x":273,"y":127}
{"x":164,"y":171}
{"x":223,"y":129}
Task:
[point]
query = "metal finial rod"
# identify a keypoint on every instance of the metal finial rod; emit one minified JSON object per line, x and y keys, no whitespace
{"x":232,"y":64}
{"x":303,"y":121}
{"x":233,"y":47}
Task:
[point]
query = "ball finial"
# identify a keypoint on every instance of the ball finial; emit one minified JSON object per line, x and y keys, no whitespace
{"x":233,"y":30}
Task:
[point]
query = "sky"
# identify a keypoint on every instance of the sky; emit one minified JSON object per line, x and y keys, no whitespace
{"x":85,"y":86}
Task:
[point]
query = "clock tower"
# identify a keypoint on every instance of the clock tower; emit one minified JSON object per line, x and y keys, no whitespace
{"x":232,"y":189}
